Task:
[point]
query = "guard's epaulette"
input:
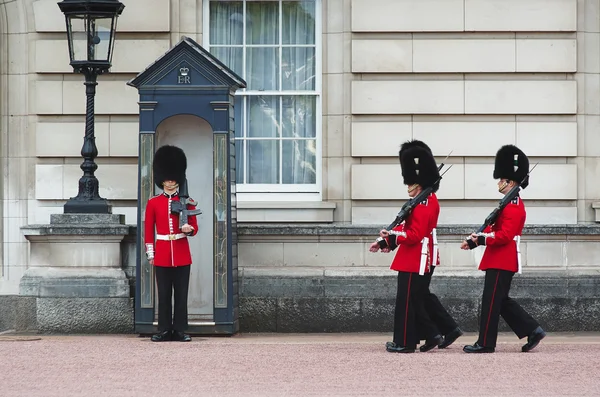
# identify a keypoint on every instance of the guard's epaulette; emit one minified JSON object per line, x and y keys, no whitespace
{"x":515,"y":200}
{"x":424,"y":202}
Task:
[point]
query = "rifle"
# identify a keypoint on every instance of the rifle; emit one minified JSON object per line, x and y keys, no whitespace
{"x":180,"y":207}
{"x":514,"y":192}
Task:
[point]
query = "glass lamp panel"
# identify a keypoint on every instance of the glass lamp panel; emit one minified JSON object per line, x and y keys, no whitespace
{"x":100,"y":36}
{"x":77,"y":37}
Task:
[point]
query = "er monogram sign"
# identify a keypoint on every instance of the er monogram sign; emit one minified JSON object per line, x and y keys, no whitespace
{"x":184,"y":76}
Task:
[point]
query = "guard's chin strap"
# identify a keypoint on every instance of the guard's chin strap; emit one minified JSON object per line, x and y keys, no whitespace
{"x":413,"y":187}
{"x":171,"y":195}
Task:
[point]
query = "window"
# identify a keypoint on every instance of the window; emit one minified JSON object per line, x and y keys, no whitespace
{"x":273,"y":46}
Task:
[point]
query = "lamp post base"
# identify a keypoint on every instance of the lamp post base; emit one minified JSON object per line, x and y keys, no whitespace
{"x":87,"y":206}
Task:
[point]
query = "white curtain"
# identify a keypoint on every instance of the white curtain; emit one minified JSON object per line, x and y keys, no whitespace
{"x":278,"y":144}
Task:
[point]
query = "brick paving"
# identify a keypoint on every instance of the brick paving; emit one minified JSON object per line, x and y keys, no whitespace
{"x":292,"y":365}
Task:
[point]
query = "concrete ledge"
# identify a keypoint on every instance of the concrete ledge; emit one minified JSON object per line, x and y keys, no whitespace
{"x":68,"y":282}
{"x":370,"y":230}
{"x":269,"y":229}
{"x":81,"y":224}
{"x":79,"y":230}
{"x":362,"y":303}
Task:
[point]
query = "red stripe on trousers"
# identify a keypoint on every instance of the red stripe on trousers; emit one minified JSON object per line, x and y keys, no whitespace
{"x":490,"y":312}
{"x":406,"y":313}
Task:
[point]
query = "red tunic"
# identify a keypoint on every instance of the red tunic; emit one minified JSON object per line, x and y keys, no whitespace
{"x":500,"y":245}
{"x":158,"y":214}
{"x":409,"y":237}
{"x":435,"y":214}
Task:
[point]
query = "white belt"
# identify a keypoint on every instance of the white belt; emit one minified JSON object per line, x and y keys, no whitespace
{"x":518,"y":240}
{"x":424,"y":252}
{"x":435,"y":247}
{"x":168,"y":237}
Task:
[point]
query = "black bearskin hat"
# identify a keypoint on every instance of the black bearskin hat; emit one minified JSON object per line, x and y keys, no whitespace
{"x":512,"y":164}
{"x":414,"y":142}
{"x":418,"y":165}
{"x":169,"y":164}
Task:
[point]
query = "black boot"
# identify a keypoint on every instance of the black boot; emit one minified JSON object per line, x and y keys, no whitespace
{"x":181,"y":337}
{"x":476,"y":348}
{"x":450,"y":338}
{"x":430,"y":344}
{"x":534,"y":339}
{"x":163,"y":336}
{"x":395,"y":348}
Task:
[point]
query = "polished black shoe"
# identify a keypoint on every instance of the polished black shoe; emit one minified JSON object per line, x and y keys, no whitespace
{"x":181,"y":337}
{"x":534,"y":339}
{"x":394,"y":348}
{"x":163,"y":336}
{"x":450,"y":338}
{"x":430,"y":344}
{"x":476,"y":348}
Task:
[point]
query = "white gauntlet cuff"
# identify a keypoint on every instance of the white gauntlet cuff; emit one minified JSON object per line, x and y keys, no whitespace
{"x":397,"y":233}
{"x":150,"y":251}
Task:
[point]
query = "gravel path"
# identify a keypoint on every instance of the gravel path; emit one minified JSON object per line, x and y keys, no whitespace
{"x":293,"y":365}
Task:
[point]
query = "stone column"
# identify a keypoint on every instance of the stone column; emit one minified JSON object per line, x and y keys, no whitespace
{"x":75,"y":274}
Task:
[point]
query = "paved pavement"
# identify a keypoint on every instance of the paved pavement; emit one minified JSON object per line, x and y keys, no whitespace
{"x":292,"y":365}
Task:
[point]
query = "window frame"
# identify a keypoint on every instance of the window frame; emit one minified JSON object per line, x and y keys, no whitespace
{"x":280,"y":191}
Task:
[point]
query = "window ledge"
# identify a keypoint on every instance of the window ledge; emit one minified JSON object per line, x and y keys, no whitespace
{"x":285,"y":211}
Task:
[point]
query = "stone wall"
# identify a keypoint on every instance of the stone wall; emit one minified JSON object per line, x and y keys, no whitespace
{"x":446,"y":71}
{"x":464,"y":75}
{"x":467,"y":77}
{"x":323,"y":279}
{"x":330,"y":301}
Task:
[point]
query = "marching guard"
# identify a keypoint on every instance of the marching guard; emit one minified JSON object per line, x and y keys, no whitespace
{"x":502,"y":258}
{"x":171,"y":255}
{"x":419,"y":171}
{"x":439,"y":315}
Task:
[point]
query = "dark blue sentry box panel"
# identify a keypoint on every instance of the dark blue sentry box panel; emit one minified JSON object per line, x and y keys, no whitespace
{"x":188,"y":80}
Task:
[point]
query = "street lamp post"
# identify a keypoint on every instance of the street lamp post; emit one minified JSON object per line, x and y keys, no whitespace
{"x":91,"y":26}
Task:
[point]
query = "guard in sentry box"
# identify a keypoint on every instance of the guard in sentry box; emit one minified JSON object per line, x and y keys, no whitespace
{"x":171,"y":255}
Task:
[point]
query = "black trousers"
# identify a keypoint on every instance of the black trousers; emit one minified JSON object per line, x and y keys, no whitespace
{"x":496,"y":303}
{"x":172,"y":281}
{"x":435,"y":310}
{"x":410,"y":311}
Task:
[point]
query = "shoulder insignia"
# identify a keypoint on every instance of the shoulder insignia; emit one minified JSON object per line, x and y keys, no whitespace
{"x":515,"y":200}
{"x":424,"y":202}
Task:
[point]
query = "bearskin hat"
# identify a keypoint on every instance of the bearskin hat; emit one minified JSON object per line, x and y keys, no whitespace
{"x":418,"y":165}
{"x":169,"y":164}
{"x":512,"y":164}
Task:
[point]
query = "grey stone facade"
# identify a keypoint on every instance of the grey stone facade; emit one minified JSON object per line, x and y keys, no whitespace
{"x":366,"y":303}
